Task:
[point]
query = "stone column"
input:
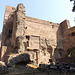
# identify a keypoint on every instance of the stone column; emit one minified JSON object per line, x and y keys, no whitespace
{"x":20,"y":27}
{"x":53,"y":55}
{"x":20,"y":20}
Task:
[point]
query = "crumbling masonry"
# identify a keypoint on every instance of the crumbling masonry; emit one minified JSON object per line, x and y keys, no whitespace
{"x":44,"y":41}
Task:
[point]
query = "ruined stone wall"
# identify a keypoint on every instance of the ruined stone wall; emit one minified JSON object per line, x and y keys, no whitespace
{"x":68,"y":35}
{"x":44,"y":29}
{"x":8,"y":12}
{"x":44,"y":40}
{"x":8,"y":24}
{"x":18,"y":35}
{"x":67,"y":60}
{"x":7,"y":29}
{"x":50,"y":34}
{"x":28,"y":33}
{"x":70,"y":38}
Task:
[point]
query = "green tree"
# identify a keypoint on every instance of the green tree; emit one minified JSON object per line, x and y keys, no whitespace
{"x":73,"y":5}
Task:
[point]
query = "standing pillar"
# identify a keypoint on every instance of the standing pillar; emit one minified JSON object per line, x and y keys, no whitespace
{"x":20,"y":28}
{"x":53,"y":55}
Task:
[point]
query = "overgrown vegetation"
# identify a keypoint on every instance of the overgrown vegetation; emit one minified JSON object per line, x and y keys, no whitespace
{"x":70,"y":52}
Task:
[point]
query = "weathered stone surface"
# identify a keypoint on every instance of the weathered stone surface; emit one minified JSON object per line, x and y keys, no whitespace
{"x":17,"y":58}
{"x":20,"y":24}
{"x":43,"y":40}
{"x":4,"y":49}
{"x":3,"y":68}
{"x":68,"y":35}
{"x":20,"y":45}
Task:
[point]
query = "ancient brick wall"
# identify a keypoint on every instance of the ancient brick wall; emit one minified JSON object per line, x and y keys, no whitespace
{"x":22,"y":27}
{"x":67,"y":60}
{"x":8,"y":12}
{"x":7,"y":29}
{"x":41,"y":38}
{"x":68,"y":35}
{"x":50,"y":31}
{"x":8,"y":23}
{"x":19,"y":28}
{"x":70,"y":38}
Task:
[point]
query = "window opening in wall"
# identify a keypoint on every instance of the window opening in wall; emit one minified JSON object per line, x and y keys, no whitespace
{"x":9,"y":33}
{"x":13,"y":8}
{"x":73,"y":33}
{"x":50,"y":60}
{"x":27,"y":37}
{"x":25,"y":27}
{"x":60,"y":53}
{"x":52,"y":26}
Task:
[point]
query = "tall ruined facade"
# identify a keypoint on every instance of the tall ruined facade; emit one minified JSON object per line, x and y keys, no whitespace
{"x":44,"y":41}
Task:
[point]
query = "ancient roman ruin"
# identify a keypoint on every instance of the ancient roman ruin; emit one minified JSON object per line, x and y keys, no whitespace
{"x":44,"y":41}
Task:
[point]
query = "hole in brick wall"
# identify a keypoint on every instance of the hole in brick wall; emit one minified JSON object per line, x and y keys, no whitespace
{"x":52,"y":26}
{"x":50,"y":60}
{"x":25,"y":27}
{"x":27,"y":37}
{"x":73,"y":33}
{"x":9,"y":33}
{"x":13,"y":8}
{"x":23,"y":18}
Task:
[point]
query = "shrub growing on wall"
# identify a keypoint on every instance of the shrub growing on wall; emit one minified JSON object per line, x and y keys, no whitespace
{"x":70,"y":52}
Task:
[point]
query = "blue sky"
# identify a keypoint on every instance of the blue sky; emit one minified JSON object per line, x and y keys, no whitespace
{"x":51,"y":10}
